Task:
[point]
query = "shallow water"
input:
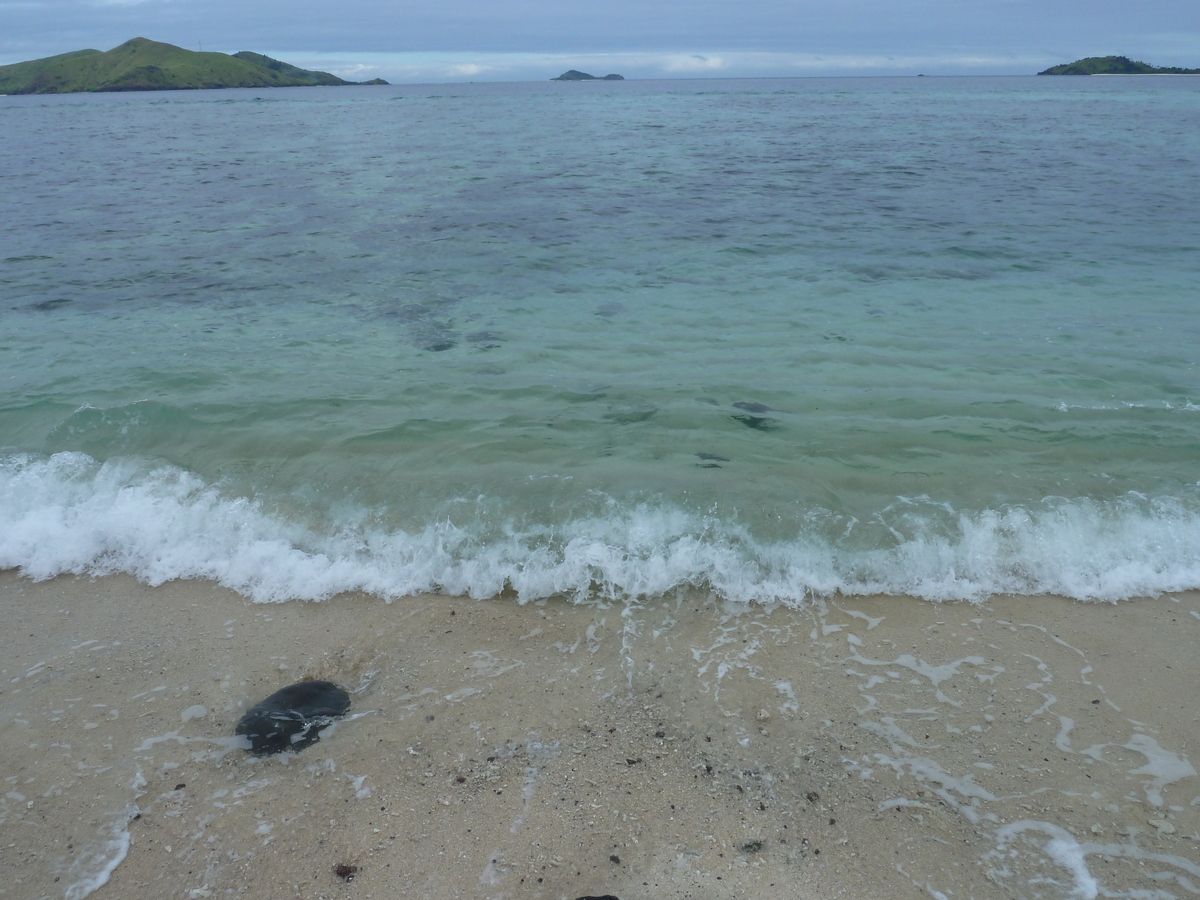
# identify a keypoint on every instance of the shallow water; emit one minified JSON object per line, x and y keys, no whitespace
{"x":773,"y":338}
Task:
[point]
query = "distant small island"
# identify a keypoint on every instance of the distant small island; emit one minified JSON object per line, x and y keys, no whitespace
{"x":145,"y":65}
{"x":576,"y":75}
{"x":1114,"y":65}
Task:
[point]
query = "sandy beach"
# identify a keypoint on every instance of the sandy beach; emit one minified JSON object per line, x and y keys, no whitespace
{"x":1031,"y":747}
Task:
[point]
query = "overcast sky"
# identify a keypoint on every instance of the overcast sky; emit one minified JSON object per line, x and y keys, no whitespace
{"x":519,"y":40}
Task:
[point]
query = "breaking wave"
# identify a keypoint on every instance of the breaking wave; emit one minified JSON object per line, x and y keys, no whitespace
{"x":68,"y":513}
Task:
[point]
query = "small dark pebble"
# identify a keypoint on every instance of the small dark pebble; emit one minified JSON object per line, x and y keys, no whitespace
{"x":180,"y":786}
{"x":344,"y":871}
{"x":660,"y":734}
{"x":633,"y":762}
{"x":750,"y":846}
{"x":292,"y":717}
{"x":1095,"y":702}
{"x":614,"y":859}
{"x":812,"y":796}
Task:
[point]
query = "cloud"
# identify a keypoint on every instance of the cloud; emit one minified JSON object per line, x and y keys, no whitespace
{"x":694,"y":64}
{"x":466,"y":70}
{"x":427,"y":67}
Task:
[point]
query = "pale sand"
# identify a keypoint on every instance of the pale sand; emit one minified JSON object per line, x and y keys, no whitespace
{"x":878,"y":747}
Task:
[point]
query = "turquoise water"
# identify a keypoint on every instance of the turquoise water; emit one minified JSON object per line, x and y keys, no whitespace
{"x":774,"y":338}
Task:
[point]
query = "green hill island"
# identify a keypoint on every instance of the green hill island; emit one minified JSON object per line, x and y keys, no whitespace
{"x":576,"y":75}
{"x":145,"y":65}
{"x":1114,"y":65}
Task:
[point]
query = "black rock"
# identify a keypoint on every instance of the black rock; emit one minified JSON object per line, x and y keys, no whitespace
{"x":292,"y":717}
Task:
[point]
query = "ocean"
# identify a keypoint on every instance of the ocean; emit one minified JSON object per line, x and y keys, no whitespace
{"x":703,"y":390}
{"x":775,"y":339}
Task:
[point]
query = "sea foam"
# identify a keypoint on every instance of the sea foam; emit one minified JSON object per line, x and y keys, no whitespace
{"x":68,"y":513}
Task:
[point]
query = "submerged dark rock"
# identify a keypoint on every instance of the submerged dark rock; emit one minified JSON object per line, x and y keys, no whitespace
{"x":758,"y":423}
{"x":292,"y":717}
{"x":752,"y":407}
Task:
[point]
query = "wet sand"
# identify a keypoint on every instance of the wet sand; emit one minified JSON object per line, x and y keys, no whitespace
{"x":1027,"y":747}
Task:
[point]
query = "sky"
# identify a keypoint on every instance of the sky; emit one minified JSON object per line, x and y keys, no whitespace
{"x":430,"y":41}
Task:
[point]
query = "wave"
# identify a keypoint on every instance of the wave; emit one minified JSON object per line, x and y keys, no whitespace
{"x":68,"y":513}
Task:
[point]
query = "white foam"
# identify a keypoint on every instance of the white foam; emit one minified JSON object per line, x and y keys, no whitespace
{"x":194,"y":712}
{"x":69,"y":514}
{"x":1062,"y":848}
{"x":1069,"y":853}
{"x":1162,"y":766}
{"x":94,"y":866}
{"x":960,"y":793}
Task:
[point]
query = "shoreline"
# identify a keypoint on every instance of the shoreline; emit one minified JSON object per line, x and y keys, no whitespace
{"x":681,"y":748}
